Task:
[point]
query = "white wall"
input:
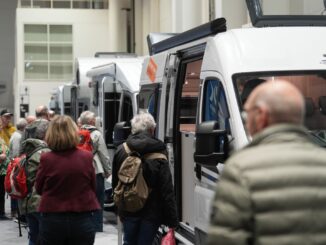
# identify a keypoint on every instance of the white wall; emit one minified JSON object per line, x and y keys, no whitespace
{"x":234,"y":11}
{"x":117,"y":24}
{"x":188,"y":14}
{"x":139,"y":27}
{"x":7,"y":51}
{"x":90,"y":35}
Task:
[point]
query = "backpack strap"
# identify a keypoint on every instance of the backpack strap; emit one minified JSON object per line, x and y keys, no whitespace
{"x":126,"y":147}
{"x":149,"y":156}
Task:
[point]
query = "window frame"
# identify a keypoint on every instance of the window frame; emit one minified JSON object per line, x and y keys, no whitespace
{"x":204,"y":96}
{"x":48,"y":62}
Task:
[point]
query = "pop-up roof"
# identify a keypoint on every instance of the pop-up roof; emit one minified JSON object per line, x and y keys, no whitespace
{"x":287,"y":12}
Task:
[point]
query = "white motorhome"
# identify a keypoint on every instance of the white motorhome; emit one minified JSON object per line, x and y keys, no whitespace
{"x":115,"y":88}
{"x":80,"y":91}
{"x":195,"y":85}
{"x":62,"y":98}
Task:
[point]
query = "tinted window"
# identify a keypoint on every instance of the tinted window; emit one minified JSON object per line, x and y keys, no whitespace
{"x":148,"y":99}
{"x":127,"y":112}
{"x":215,"y":105}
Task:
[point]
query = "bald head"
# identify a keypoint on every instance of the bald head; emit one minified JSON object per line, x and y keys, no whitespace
{"x":30,"y":119}
{"x":42,"y":112}
{"x":275,"y":102}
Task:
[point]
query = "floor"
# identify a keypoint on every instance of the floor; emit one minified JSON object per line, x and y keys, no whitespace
{"x":9,"y":233}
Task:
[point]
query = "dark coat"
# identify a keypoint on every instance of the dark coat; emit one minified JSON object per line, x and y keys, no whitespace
{"x":160,"y":206}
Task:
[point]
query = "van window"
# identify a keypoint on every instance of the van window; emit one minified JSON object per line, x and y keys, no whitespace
{"x":95,"y":88}
{"x":312,"y":85}
{"x":127,"y":112}
{"x":214,"y":105}
{"x":111,"y":105}
{"x":148,"y":99}
{"x":189,"y":97}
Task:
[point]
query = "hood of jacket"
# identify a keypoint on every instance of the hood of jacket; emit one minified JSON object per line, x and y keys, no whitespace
{"x":144,"y":143}
{"x":30,"y":145}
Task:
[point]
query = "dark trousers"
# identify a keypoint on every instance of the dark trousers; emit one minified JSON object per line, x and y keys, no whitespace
{"x":138,"y":231}
{"x":98,"y":215}
{"x":2,"y":195}
{"x":33,"y":221}
{"x":13,"y":204}
{"x":67,"y":228}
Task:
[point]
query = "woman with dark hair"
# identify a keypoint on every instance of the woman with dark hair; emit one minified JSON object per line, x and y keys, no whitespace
{"x":66,"y":182}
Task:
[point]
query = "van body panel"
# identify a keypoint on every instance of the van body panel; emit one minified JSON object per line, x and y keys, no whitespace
{"x":296,"y":53}
{"x":266,"y":49}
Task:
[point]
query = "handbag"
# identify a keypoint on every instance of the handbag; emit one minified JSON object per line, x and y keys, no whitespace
{"x":169,"y":238}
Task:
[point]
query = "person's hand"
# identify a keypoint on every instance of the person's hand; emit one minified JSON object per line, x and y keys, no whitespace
{"x":107,"y":175}
{"x":2,"y":157}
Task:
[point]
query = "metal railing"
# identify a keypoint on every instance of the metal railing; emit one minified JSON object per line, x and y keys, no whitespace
{"x":66,"y":4}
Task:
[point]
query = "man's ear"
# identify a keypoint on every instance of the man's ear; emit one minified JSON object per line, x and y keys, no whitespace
{"x":152,"y":131}
{"x":264,"y":118}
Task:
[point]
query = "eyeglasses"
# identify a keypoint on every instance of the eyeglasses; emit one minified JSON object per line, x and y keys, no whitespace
{"x":244,"y":113}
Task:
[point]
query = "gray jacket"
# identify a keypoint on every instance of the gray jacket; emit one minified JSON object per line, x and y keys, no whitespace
{"x":272,"y":192}
{"x":102,"y":162}
{"x":14,"y":144}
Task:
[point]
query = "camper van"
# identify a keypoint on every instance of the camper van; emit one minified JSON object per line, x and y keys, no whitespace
{"x":62,"y":100}
{"x":80,"y":89}
{"x":114,"y":89}
{"x":196,"y":83}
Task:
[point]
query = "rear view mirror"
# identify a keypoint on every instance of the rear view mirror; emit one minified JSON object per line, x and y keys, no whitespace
{"x":211,"y":144}
{"x":121,"y":131}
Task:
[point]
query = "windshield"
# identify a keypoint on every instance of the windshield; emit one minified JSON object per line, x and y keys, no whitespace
{"x":287,"y":12}
{"x":292,"y":7}
{"x":311,"y":84}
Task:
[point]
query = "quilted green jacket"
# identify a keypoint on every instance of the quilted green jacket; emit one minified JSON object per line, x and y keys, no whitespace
{"x":31,"y":202}
{"x":273,"y":192}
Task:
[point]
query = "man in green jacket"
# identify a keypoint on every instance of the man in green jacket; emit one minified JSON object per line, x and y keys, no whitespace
{"x":274,"y":190}
{"x":33,"y":147}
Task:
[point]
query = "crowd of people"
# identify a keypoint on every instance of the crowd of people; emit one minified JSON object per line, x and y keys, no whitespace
{"x":270,"y":192}
{"x":66,"y":184}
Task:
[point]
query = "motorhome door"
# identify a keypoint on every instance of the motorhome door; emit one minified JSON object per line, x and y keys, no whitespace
{"x":183,"y":93}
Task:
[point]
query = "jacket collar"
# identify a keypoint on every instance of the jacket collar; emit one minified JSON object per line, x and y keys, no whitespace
{"x":281,"y":133}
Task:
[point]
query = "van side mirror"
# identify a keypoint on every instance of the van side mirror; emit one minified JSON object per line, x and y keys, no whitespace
{"x":121,"y":131}
{"x":211,"y":144}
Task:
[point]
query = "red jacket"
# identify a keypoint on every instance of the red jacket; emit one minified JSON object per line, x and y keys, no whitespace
{"x":66,"y":182}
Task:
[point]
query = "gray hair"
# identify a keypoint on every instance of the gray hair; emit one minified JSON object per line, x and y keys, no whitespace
{"x":21,"y":124}
{"x":86,"y":117}
{"x":142,"y":122}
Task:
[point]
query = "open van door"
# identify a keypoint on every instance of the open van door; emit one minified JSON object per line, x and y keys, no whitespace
{"x":109,"y":93}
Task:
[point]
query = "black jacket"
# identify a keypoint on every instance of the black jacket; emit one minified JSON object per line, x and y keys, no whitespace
{"x":160,"y":206}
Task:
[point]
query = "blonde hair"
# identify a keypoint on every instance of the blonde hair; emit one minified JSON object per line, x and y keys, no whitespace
{"x":62,"y":134}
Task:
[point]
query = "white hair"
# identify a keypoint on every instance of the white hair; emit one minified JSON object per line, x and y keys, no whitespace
{"x":142,"y":122}
{"x":86,"y":117}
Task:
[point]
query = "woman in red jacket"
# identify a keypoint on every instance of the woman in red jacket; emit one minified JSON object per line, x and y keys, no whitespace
{"x":66,"y":182}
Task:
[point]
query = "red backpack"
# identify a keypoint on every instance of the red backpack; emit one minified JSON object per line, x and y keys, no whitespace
{"x":85,"y":140}
{"x":16,"y":178}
